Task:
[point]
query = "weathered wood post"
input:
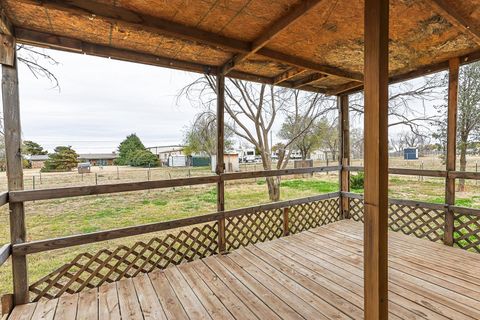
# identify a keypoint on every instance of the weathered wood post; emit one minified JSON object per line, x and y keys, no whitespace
{"x":220,"y":168}
{"x":454,"y":68}
{"x":376,"y":159}
{"x":13,"y":142}
{"x":344,"y":159}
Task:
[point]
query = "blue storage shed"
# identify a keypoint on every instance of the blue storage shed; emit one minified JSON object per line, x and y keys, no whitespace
{"x":410,"y":153}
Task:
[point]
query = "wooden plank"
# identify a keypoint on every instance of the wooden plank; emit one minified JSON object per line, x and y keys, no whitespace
{"x":272,"y":31}
{"x":5,"y":252}
{"x":151,"y":307}
{"x":343,"y":88}
{"x":7,"y":304}
{"x":450,"y":165}
{"x":45,"y":310}
{"x":185,"y":294}
{"x":108,"y":305}
{"x":127,"y":298}
{"x":307,"y":80}
{"x":87,"y":305}
{"x":225,"y":292}
{"x":376,"y":159}
{"x":167,"y":297}
{"x":344,"y":129}
{"x":208,"y":299}
{"x":7,"y":50}
{"x":67,"y":307}
{"x":43,"y":194}
{"x":220,"y":168}
{"x":64,"y":242}
{"x":262,"y":309}
{"x":6,"y":26}
{"x":290,"y":73}
{"x":13,"y":143}
{"x":274,"y":173}
{"x":23,"y":312}
{"x":55,"y":193}
{"x":69,"y":241}
{"x":456,"y":18}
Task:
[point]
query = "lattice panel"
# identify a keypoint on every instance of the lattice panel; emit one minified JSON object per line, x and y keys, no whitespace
{"x":92,"y":270}
{"x":252,"y":228}
{"x":356,"y":209}
{"x":421,"y":222}
{"x":314,"y":214}
{"x":467,"y":232}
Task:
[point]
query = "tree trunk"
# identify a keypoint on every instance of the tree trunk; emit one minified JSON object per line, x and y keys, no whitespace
{"x":273,"y":184}
{"x":463,"y":162}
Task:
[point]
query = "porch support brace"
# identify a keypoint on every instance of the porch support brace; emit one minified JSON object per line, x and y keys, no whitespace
{"x":376,"y":160}
{"x":344,"y":159}
{"x":13,"y":142}
{"x":220,"y":168}
{"x":454,"y":68}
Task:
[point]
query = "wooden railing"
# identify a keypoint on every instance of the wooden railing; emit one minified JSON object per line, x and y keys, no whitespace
{"x":198,"y":237}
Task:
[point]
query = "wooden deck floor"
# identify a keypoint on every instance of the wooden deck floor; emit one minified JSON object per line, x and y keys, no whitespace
{"x":316,"y":274}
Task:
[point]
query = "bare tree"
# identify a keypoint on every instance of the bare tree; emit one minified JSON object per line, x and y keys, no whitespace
{"x":407,"y":103}
{"x":251,"y":110}
{"x":38,"y":62}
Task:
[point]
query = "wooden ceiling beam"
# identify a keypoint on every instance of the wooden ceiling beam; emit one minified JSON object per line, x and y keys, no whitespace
{"x":6,"y":26}
{"x":290,"y":73}
{"x":115,"y":14}
{"x":456,"y":18}
{"x":338,"y":90}
{"x":52,"y":41}
{"x":307,"y":80}
{"x":272,"y":31}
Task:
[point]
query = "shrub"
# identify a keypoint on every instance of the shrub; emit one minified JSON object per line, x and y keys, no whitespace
{"x":357,"y":181}
{"x":143,"y":158}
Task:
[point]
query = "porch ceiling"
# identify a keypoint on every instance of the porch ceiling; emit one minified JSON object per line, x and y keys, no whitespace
{"x":312,"y":45}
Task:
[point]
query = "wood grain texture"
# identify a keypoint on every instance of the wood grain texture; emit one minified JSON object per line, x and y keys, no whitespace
{"x":344,"y":159}
{"x":13,"y":143}
{"x":376,"y":159}
{"x":305,"y":275}
{"x":454,"y":69}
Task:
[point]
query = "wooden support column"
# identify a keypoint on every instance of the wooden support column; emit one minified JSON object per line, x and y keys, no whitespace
{"x":454,"y":68}
{"x":13,"y":142}
{"x":344,"y":159}
{"x":220,"y":161}
{"x":376,"y":160}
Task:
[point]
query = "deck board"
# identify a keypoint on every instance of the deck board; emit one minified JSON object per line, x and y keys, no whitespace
{"x":316,"y":274}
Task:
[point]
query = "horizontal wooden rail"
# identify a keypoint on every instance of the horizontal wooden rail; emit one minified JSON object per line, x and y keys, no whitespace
{"x":64,"y":242}
{"x":66,"y":192}
{"x":5,"y":252}
{"x":274,"y":173}
{"x":427,"y":173}
{"x":55,"y":193}
{"x":420,"y":204}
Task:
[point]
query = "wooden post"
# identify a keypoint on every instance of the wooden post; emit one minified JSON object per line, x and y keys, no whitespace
{"x":286,"y":223}
{"x":220,"y":161}
{"x":344,"y":159}
{"x":376,"y":160}
{"x":13,"y":142}
{"x":454,"y":67}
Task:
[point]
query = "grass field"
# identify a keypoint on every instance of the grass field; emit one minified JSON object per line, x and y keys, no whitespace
{"x":62,"y":217}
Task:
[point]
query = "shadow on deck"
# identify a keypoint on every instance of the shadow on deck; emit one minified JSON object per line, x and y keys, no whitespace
{"x":315,"y":274}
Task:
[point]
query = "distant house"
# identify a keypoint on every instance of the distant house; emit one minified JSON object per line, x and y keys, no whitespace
{"x":98,"y":159}
{"x":165,"y":152}
{"x":37,"y":161}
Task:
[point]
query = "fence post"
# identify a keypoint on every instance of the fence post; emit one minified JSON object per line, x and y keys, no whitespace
{"x":33,"y":182}
{"x":96,"y":178}
{"x":118,"y":174}
{"x":13,"y":143}
{"x":286,"y":221}
{"x":40,"y":176}
{"x":454,"y":66}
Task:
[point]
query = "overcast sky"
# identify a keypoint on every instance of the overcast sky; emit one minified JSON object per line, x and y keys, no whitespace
{"x":101,"y":101}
